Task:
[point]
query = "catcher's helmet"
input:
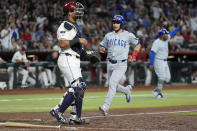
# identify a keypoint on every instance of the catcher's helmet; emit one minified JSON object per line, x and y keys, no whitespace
{"x":119,"y":18}
{"x":77,"y":7}
{"x":162,"y":32}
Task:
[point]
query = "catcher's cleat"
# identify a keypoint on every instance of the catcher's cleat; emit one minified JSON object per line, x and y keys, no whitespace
{"x":79,"y":121}
{"x":160,"y":95}
{"x":59,"y":116}
{"x":128,"y":96}
{"x":101,"y":108}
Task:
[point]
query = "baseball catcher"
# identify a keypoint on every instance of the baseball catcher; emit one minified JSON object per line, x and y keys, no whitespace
{"x":71,"y":41}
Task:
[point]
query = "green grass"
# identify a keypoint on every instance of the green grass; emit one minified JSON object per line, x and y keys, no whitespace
{"x":141,"y":99}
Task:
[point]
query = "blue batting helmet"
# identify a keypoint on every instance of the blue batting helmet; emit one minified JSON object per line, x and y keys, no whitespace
{"x":119,"y":18}
{"x":162,"y":32}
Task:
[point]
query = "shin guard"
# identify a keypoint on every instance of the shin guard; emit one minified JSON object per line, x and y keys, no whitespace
{"x":67,"y":100}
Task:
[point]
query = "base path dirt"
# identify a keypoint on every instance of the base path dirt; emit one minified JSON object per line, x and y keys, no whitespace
{"x":150,"y":119}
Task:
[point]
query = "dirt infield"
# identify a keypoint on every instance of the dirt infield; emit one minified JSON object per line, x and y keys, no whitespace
{"x":149,"y":119}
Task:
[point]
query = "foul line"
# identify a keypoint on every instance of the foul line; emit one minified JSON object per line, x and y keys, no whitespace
{"x":147,"y":113}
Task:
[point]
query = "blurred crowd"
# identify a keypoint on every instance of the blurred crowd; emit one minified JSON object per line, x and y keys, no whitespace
{"x":33,"y":23}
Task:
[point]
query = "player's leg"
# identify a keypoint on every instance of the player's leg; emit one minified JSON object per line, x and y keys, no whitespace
{"x":168,"y":75}
{"x":109,"y":73}
{"x":31,"y":80}
{"x":68,"y":97}
{"x":120,"y":88}
{"x":159,"y":67}
{"x":123,"y":79}
{"x":11,"y":77}
{"x":43,"y":77}
{"x":131,"y":76}
{"x":72,"y":71}
{"x":66,"y":83}
{"x":25,"y":76}
{"x":79,"y":87}
{"x":126,"y":90}
{"x":49,"y":74}
{"x":116,"y":75}
{"x":65,"y":102}
{"x":148,"y":76}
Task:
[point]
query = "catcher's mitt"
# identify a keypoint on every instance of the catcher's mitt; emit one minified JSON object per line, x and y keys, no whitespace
{"x":93,"y":56}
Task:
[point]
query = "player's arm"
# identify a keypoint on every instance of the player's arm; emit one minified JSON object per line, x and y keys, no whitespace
{"x":26,"y":62}
{"x":152,"y":59}
{"x":102,"y":49}
{"x":68,"y":43}
{"x":154,"y":50}
{"x":19,"y":61}
{"x":136,"y":42}
{"x":136,"y":51}
{"x":103,"y":45}
{"x":63,"y":37}
{"x":172,"y":33}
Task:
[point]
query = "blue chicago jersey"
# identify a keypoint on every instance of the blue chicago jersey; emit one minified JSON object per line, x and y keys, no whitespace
{"x":117,"y":45}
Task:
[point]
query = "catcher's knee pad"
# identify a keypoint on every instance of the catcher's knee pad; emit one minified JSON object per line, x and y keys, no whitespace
{"x":79,"y":87}
{"x":79,"y":83}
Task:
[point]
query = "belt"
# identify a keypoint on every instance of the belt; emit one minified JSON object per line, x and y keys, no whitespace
{"x":68,"y":54}
{"x":162,"y":59}
{"x":116,"y":61}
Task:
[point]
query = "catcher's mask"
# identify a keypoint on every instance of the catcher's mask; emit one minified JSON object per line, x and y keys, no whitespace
{"x":120,"y":19}
{"x":76,"y":7}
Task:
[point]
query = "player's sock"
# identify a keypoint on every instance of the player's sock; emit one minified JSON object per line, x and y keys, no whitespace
{"x":160,"y":85}
{"x":68,"y":99}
